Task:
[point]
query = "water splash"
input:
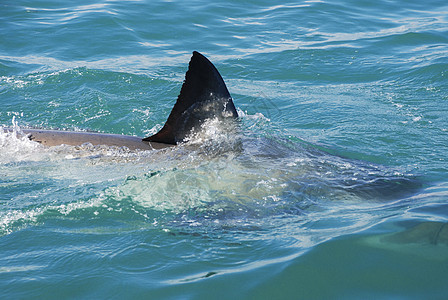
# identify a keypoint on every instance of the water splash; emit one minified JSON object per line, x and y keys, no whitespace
{"x":16,"y":146}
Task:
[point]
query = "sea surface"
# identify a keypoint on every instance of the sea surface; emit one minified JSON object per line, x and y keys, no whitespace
{"x":333,"y":186}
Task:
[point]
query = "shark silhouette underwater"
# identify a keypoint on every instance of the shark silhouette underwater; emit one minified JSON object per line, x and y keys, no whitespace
{"x":203,"y":96}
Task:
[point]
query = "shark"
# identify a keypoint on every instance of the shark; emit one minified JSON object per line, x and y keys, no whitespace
{"x":204,"y":95}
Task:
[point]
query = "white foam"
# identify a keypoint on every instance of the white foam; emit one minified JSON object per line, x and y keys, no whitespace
{"x":15,"y":146}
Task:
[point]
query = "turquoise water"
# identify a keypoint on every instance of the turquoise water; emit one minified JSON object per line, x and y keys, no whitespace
{"x":343,"y":140}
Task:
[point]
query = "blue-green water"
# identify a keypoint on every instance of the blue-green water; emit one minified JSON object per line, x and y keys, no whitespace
{"x":343,"y":140}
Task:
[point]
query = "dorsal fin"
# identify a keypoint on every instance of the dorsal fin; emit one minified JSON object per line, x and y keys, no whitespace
{"x":203,"y":95}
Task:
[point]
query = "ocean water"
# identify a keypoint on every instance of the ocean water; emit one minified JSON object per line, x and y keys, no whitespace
{"x":335,"y":184}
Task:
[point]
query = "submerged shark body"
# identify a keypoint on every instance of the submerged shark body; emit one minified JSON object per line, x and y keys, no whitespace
{"x":203,"y":96}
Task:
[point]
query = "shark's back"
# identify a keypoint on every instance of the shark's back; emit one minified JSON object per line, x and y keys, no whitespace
{"x":204,"y":95}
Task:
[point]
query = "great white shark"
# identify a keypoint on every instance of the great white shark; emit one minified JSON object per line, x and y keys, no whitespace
{"x":203,"y":96}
